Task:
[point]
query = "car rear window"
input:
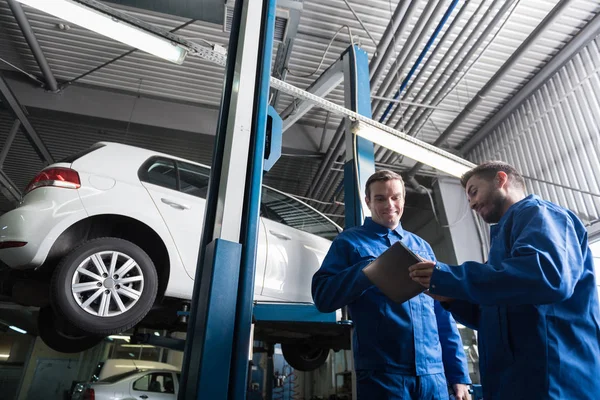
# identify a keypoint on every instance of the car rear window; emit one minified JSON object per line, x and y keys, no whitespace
{"x":74,"y":157}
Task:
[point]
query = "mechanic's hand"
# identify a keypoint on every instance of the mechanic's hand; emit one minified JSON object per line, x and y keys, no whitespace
{"x":421,"y":272}
{"x":461,"y":391}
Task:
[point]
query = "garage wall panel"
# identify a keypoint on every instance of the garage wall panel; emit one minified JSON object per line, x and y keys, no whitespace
{"x":553,"y":138}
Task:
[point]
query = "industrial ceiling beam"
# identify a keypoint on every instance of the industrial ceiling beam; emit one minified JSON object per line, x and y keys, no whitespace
{"x":12,"y":103}
{"x":36,"y":50}
{"x":322,"y":86}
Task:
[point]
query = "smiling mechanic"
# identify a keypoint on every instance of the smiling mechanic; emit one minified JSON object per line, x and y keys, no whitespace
{"x":401,"y":351}
{"x":535,"y":302}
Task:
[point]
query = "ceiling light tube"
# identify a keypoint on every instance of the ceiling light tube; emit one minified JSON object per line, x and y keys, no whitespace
{"x":17,"y":329}
{"x":413,"y":149}
{"x":111,"y":27}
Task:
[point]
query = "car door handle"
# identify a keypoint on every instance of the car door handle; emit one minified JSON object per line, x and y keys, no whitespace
{"x":143,"y":396}
{"x":174,"y":205}
{"x":280,"y":235}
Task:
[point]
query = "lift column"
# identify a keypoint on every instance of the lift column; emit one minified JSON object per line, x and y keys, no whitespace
{"x":219,"y":325}
{"x":360,"y":161}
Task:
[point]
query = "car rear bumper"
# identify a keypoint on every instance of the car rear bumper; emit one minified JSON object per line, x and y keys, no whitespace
{"x":40,"y":219}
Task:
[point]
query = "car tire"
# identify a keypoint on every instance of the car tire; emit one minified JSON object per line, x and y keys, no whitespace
{"x":59,"y":336}
{"x":96,"y":302}
{"x":303,"y":356}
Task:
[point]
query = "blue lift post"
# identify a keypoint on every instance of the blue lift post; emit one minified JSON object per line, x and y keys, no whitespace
{"x":217,"y":344}
{"x":360,"y":158}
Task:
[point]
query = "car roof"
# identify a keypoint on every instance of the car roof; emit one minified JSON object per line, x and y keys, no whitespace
{"x":152,"y":153}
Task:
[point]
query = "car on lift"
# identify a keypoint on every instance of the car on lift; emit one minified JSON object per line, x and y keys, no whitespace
{"x":112,"y":234}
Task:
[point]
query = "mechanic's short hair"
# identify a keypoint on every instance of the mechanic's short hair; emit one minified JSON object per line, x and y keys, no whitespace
{"x":383,"y":176}
{"x":488,"y":171}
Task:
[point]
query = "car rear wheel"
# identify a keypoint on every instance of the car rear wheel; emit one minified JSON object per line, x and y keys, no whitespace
{"x":303,"y":356}
{"x":62,"y":337}
{"x":104,"y":286}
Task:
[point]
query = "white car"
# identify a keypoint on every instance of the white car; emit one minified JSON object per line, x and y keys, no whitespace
{"x":160,"y":384}
{"x":115,"y":232}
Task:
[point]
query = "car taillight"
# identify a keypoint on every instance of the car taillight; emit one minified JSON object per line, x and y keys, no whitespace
{"x":58,"y":177}
{"x":8,"y":245}
{"x":89,"y":394}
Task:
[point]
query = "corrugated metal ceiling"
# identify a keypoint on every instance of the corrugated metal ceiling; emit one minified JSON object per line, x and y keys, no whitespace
{"x":72,"y":52}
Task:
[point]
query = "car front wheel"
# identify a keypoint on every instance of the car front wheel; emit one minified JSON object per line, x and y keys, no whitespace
{"x":104,"y":286}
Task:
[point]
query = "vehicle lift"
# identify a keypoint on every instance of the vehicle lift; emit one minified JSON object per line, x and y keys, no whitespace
{"x":215,"y":364}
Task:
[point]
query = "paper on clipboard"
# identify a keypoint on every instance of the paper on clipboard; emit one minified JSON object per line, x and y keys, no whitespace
{"x":389,"y":272}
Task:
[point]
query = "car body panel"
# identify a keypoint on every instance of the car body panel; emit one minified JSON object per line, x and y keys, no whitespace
{"x":43,"y":215}
{"x":110,"y":185}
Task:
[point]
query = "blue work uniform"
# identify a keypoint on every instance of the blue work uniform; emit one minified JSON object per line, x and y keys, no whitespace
{"x":391,"y":342}
{"x":534,"y":303}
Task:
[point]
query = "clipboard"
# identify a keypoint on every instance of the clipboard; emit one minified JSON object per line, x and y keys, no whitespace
{"x":389,"y":272}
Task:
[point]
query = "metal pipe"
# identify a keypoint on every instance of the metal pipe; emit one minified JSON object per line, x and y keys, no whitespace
{"x":324,"y":134}
{"x":461,"y":53}
{"x":392,"y":79}
{"x":9,"y":140}
{"x":361,"y":23}
{"x":438,"y":48}
{"x":386,"y":39}
{"x":584,"y":37}
{"x":36,"y":50}
{"x":415,"y":121}
{"x":412,"y":103}
{"x":326,"y":177}
{"x":428,"y":45}
{"x":327,"y":162}
{"x":391,"y":50}
{"x":427,"y":90}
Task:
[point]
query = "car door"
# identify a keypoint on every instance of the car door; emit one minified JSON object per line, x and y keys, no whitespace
{"x":154,"y":386}
{"x":298,"y":238}
{"x":179,"y":190}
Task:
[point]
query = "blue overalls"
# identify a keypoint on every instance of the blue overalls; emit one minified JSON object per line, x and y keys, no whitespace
{"x":534,"y":303}
{"x":401,"y":351}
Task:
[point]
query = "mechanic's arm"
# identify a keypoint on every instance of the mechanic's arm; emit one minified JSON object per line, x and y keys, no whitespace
{"x":464,"y":312}
{"x":453,"y":354}
{"x":336,"y":283}
{"x":544,"y":265}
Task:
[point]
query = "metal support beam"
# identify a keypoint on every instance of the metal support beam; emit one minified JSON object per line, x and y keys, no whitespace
{"x":9,"y":140}
{"x":8,"y":188}
{"x":32,"y":41}
{"x":322,"y":86}
{"x":9,"y":99}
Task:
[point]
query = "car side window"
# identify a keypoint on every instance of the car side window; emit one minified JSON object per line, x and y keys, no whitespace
{"x":159,"y":171}
{"x":193,"y":179}
{"x":289,"y":211}
{"x":156,"y":382}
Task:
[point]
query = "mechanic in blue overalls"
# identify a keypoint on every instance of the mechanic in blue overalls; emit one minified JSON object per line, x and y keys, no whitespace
{"x":401,"y":351}
{"x":534,"y":302}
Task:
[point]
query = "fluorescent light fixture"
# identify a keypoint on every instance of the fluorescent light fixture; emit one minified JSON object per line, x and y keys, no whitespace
{"x":121,"y":337}
{"x":412,"y":148}
{"x":16,"y":329}
{"x":4,"y":355}
{"x":112,"y":27}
